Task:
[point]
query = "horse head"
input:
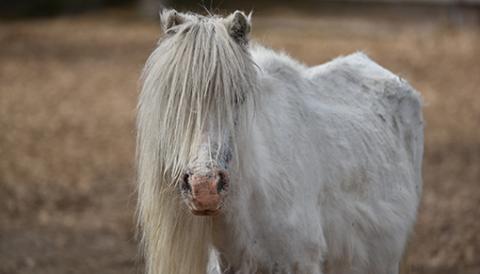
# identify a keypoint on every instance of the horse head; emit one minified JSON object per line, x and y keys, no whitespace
{"x":198,"y":82}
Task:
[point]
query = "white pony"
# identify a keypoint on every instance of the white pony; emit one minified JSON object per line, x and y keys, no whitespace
{"x":250,"y":162}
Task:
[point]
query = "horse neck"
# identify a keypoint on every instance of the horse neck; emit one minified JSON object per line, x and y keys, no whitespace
{"x":251,"y":186}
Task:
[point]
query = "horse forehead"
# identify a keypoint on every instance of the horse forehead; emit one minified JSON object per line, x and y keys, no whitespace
{"x":198,"y":19}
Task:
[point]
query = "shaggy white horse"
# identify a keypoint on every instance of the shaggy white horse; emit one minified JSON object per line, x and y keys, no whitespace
{"x":250,"y":162}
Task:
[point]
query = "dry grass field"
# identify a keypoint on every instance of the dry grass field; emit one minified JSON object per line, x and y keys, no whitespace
{"x":68,"y":89}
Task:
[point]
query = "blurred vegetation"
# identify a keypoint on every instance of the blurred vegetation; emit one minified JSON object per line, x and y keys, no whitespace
{"x":15,"y":9}
{"x":35,"y":8}
{"x":30,"y":8}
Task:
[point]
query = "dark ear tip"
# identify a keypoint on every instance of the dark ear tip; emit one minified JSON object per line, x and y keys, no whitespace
{"x":240,"y":16}
{"x":165,"y":12}
{"x":238,"y":13}
{"x":239,"y":26}
{"x":170,"y":18}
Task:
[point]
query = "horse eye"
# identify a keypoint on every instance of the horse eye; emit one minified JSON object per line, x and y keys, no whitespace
{"x":227,"y":156}
{"x":170,"y":32}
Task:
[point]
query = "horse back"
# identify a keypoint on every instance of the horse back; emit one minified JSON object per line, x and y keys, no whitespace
{"x":362,"y":83}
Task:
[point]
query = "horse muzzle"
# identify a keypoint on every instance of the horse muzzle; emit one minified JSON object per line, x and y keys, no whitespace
{"x":204,"y":193}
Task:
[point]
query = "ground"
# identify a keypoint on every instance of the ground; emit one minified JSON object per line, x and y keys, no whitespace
{"x":68,"y":89}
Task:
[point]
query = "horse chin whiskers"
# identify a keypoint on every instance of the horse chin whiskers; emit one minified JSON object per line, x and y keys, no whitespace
{"x":205,"y":212}
{"x":202,"y":212}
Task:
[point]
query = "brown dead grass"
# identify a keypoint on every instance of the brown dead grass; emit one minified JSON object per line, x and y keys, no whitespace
{"x":68,"y":88}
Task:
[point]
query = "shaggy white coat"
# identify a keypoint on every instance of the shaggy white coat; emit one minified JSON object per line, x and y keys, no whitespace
{"x":328,"y":173}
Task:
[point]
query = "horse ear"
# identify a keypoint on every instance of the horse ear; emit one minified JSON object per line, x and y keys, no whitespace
{"x":170,"y":18}
{"x":239,"y":26}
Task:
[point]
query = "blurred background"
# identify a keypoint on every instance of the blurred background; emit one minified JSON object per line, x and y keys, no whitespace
{"x":69,"y":79}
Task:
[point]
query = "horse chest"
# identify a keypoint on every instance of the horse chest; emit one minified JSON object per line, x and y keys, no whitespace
{"x":266,"y":243}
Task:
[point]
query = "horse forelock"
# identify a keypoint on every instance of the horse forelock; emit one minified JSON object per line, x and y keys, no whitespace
{"x":198,"y":73}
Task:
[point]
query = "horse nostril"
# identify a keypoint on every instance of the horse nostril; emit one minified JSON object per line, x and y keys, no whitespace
{"x":184,"y":184}
{"x":222,"y":181}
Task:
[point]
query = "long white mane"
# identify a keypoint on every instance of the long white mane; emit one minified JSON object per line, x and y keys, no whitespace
{"x":197,"y":73}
